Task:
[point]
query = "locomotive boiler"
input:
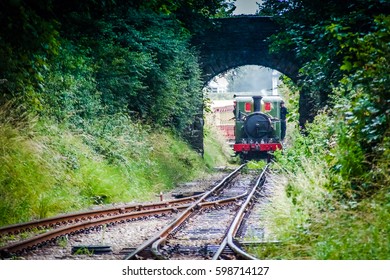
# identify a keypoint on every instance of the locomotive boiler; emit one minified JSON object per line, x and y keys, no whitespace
{"x":257,"y":126}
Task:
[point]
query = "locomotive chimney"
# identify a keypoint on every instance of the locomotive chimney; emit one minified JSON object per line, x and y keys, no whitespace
{"x":257,"y":103}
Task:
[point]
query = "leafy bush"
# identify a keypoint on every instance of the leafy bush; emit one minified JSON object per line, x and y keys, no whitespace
{"x":139,"y":64}
{"x":85,"y":62}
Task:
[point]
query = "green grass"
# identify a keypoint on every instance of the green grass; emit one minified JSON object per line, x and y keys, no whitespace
{"x":360,"y":233}
{"x":47,"y":169}
{"x":310,"y":220}
{"x":216,"y":151}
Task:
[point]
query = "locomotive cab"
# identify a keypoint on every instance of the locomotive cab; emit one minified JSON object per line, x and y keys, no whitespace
{"x":257,"y":126}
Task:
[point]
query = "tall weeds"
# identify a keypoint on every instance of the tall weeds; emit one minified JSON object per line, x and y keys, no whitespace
{"x":47,"y":168}
{"x":315,"y":212}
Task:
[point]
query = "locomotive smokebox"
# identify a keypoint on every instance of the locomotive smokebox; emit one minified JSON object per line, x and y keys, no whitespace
{"x":257,"y":103}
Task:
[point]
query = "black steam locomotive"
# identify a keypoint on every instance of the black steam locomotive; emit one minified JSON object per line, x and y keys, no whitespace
{"x":258,"y":127}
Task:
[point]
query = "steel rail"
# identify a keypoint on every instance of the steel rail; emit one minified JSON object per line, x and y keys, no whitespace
{"x":239,"y":218}
{"x":183,"y":216}
{"x":229,"y":239}
{"x":90,"y":215}
{"x":221,"y":202}
{"x":40,"y":239}
{"x":221,"y":247}
{"x":155,"y":246}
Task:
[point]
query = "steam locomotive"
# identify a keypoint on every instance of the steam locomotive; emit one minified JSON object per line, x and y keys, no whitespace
{"x":257,"y":126}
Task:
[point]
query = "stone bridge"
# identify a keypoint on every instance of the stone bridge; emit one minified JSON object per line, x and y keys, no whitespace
{"x":238,"y":41}
{"x":243,"y":40}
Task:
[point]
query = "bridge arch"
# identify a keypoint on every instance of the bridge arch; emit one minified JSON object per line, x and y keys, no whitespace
{"x":239,"y":41}
{"x":243,"y":40}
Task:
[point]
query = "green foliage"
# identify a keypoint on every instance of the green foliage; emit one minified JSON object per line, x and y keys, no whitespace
{"x":62,"y":242}
{"x":315,"y":211}
{"x":75,"y":61}
{"x":360,"y":232}
{"x":27,"y":43}
{"x":22,"y":170}
{"x":331,"y":39}
{"x":332,"y":199}
{"x":103,"y":79}
{"x":313,"y":143}
{"x":69,"y":94}
{"x":173,"y":165}
{"x":217,"y":153}
{"x":297,"y":196}
{"x":345,"y":52}
{"x":47,"y":169}
{"x":148,"y":71}
{"x":366,"y":61}
{"x":83,"y":251}
{"x":256,"y":165}
{"x":357,"y":231}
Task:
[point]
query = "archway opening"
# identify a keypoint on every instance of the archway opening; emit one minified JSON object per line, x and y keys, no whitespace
{"x":220,"y":92}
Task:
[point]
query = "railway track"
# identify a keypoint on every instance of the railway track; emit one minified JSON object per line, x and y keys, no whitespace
{"x":19,"y":247}
{"x":207,"y":228}
{"x":221,"y":204}
{"x":74,"y":218}
{"x":210,"y":195}
{"x":230,"y":246}
{"x":47,"y":231}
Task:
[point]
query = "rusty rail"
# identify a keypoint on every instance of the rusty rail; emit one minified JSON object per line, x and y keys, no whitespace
{"x":90,"y":215}
{"x":165,"y":232}
{"x":229,"y":239}
{"x":41,"y":239}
